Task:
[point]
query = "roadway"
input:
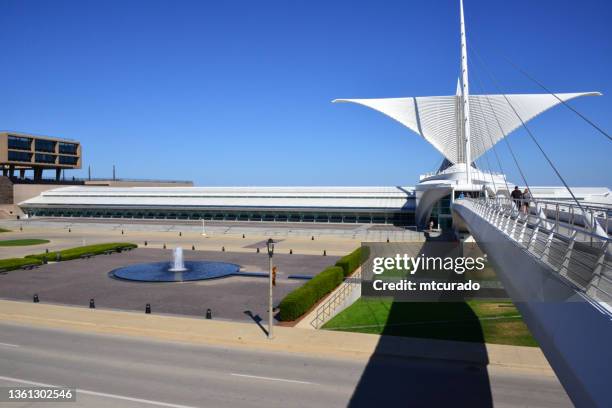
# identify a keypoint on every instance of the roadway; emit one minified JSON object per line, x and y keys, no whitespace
{"x":115,"y":371}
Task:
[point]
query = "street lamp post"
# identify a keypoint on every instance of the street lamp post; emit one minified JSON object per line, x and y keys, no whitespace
{"x":270,"y":245}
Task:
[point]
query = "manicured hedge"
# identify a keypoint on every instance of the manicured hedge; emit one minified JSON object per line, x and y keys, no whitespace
{"x":350,"y":262}
{"x":300,"y":300}
{"x":74,"y":253}
{"x":16,"y":263}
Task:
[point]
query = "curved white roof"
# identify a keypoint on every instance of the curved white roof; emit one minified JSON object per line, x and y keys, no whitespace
{"x":438,"y":120}
{"x":247,"y":197}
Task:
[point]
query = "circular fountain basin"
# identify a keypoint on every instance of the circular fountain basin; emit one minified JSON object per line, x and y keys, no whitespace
{"x":162,"y":271}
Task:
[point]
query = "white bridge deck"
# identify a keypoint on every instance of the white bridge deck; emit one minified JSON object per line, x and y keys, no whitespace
{"x":559,"y":274}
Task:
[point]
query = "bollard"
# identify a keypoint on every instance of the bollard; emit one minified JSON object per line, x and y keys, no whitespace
{"x":193,"y":247}
{"x":146,"y":243}
{"x":387,"y":240}
{"x":291,"y":252}
{"x":164,"y":245}
{"x":222,"y":249}
{"x":58,"y":257}
{"x":208,"y":314}
{"x":92,"y":304}
{"x":20,"y":228}
{"x":46,"y":250}
{"x":180,"y":234}
{"x":242,"y":235}
{"x":121,"y":232}
{"x":258,"y":250}
{"x":324,"y":252}
{"x":69,"y":229}
{"x":35,"y":298}
{"x":148,"y":308}
{"x":312,"y":238}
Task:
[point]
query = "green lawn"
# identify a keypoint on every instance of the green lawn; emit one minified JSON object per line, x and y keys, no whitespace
{"x":480,"y":321}
{"x":22,"y":242}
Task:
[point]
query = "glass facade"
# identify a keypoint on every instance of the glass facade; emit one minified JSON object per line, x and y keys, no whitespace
{"x":44,"y":158}
{"x":68,"y":160}
{"x":441,"y":213}
{"x":396,"y":218}
{"x":41,"y":145}
{"x":19,"y":156}
{"x":20,"y":143}
{"x":68,"y":148}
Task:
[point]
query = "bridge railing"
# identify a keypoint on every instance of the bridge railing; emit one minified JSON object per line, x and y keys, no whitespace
{"x":577,"y":254}
{"x":564,"y":216}
{"x":339,"y":297}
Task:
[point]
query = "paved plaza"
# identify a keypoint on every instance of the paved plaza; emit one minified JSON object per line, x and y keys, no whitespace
{"x":75,"y":282}
{"x":299,"y":251}
{"x":235,"y":236}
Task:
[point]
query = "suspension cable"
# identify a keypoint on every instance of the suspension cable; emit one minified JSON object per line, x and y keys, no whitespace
{"x":495,"y":82}
{"x":493,"y":145}
{"x":484,"y":147}
{"x":501,"y":129}
{"x":567,"y":105}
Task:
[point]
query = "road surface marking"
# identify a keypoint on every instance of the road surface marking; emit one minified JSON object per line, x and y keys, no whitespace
{"x":270,"y":378}
{"x":9,"y":345}
{"x":98,"y":394}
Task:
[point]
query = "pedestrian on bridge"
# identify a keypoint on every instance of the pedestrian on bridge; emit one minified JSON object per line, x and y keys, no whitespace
{"x":517,"y":197}
{"x":526,"y":200}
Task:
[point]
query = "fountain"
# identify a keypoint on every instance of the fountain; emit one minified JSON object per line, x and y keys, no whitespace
{"x":177,"y":257}
{"x":178,"y":270}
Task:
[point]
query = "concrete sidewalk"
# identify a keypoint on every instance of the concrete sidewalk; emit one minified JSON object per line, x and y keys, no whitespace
{"x":319,"y":343}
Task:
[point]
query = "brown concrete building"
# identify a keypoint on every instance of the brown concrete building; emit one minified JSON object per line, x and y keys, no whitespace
{"x":20,"y":152}
{"x":24,"y":157}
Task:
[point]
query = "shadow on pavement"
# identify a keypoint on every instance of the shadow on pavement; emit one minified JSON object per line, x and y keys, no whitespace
{"x":257,"y":319}
{"x":424,"y":382}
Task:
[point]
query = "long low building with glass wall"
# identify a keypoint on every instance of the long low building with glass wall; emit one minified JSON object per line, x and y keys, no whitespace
{"x":378,"y":205}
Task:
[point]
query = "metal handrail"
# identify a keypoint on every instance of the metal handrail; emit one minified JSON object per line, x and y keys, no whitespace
{"x":325,"y":310}
{"x":589,"y":271}
{"x":561,"y":215}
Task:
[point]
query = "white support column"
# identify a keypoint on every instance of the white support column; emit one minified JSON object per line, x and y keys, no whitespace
{"x":465,"y":99}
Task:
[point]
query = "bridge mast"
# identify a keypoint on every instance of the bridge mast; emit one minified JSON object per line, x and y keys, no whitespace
{"x":465,"y":92}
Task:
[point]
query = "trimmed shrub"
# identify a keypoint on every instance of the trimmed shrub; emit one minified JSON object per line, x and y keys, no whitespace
{"x":74,"y":253}
{"x":300,"y":300}
{"x":326,"y":281}
{"x":350,"y":262}
{"x":296,"y":303}
{"x":16,"y":263}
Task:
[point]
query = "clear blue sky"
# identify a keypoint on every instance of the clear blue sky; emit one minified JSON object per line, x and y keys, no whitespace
{"x":238,"y":92}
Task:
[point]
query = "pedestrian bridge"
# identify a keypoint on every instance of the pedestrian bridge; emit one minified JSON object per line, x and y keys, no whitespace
{"x":555,"y":264}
